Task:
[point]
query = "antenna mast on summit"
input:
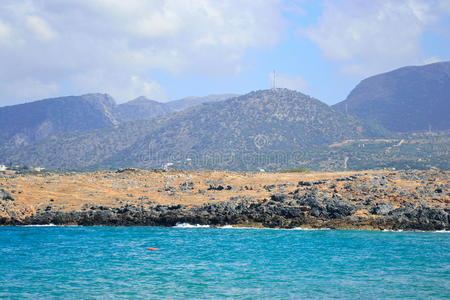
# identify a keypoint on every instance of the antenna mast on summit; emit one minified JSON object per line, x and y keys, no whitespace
{"x":273,"y":80}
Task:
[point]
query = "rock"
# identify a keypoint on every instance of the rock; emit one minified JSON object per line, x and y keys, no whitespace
{"x":187,"y":186}
{"x":130,"y":170}
{"x":349,"y":178}
{"x":169,"y":188}
{"x":338,"y":208}
{"x":269,"y":188}
{"x":279,"y":197}
{"x":308,"y":183}
{"x":4,"y":195}
{"x":219,"y":187}
{"x":381,"y":208}
{"x":320,"y":182}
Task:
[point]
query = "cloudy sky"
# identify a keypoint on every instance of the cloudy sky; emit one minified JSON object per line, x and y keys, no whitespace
{"x":169,"y":49}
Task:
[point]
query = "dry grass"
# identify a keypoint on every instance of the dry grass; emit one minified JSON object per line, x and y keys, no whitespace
{"x":74,"y":190}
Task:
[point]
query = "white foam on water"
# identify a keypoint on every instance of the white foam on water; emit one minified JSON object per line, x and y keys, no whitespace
{"x":41,"y":225}
{"x":187,"y":225}
{"x":309,"y":229}
{"x":268,"y":228}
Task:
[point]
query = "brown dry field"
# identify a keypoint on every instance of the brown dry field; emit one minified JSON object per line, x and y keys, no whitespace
{"x":71,"y":191}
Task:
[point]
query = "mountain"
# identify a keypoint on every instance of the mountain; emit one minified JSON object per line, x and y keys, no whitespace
{"x":140,"y":108}
{"x":26,"y":123}
{"x":263,"y":128}
{"x":260,"y":125}
{"x":187,"y":102}
{"x":404,"y":100}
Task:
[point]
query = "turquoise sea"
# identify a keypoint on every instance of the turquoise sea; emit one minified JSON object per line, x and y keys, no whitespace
{"x":212,"y":263}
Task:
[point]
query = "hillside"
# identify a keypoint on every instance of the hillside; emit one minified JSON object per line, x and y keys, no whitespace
{"x":268,"y":128}
{"x":30,"y":122}
{"x":140,"y":108}
{"x":244,"y":132}
{"x":143,"y":108}
{"x":177,"y":105}
{"x":25,"y":123}
{"x":405,"y":100}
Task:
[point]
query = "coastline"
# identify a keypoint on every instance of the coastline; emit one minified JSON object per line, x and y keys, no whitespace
{"x":396,"y":200}
{"x":236,"y":227}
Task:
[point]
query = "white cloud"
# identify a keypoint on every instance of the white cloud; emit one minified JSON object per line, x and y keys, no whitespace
{"x":59,"y":42}
{"x":40,"y":28}
{"x":292,"y":82}
{"x":367,"y":37}
{"x":431,"y":60}
{"x":130,"y":87}
{"x":28,"y":89}
{"x":150,"y":89}
{"x":5,"y":32}
{"x":445,"y":5}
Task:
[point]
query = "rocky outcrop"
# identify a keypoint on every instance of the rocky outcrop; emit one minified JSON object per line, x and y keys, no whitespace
{"x":406,"y":200}
{"x":308,"y":209}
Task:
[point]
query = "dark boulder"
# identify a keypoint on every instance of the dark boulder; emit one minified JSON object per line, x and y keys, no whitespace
{"x":187,"y":186}
{"x":279,"y":197}
{"x":338,"y":208}
{"x":4,"y":195}
{"x":213,"y":187}
{"x":381,"y":208}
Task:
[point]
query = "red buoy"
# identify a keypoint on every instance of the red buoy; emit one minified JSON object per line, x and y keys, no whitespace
{"x":152,"y":249}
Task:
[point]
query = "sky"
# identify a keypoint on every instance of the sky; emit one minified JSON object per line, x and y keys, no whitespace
{"x":170,"y":49}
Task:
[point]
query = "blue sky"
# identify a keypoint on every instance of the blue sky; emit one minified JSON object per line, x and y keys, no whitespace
{"x":171,"y":49}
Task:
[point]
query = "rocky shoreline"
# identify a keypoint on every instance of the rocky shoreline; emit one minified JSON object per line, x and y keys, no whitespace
{"x":359,"y":201}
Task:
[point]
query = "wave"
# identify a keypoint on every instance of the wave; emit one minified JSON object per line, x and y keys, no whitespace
{"x":268,"y":228}
{"x":41,"y":225}
{"x":309,"y":229}
{"x":187,"y":225}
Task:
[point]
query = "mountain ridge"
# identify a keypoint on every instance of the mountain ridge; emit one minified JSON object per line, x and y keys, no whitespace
{"x":260,"y":122}
{"x":408,"y":99}
{"x":26,"y":123}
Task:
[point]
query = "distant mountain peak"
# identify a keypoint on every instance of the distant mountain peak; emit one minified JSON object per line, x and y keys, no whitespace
{"x":142,"y":100}
{"x":413,"y":98}
{"x":36,"y":120}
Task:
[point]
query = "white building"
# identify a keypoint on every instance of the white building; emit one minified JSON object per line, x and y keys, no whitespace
{"x":167,"y":165}
{"x":2,"y":168}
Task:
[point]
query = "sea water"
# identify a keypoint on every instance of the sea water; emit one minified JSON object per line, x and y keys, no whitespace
{"x":212,"y":263}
